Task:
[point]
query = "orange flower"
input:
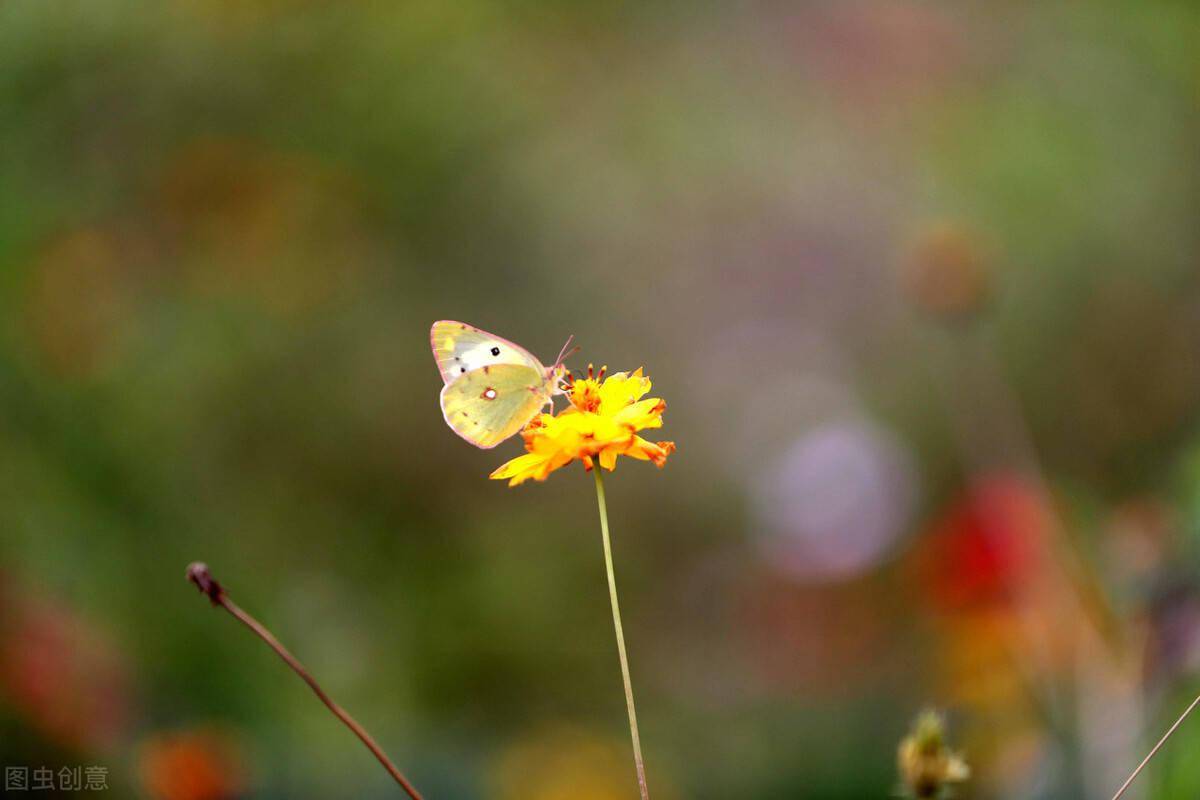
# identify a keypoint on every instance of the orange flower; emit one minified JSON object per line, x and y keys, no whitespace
{"x":197,"y":764}
{"x":601,"y":423}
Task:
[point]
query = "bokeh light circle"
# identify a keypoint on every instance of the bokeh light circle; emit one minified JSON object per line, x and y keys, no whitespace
{"x":835,"y":501}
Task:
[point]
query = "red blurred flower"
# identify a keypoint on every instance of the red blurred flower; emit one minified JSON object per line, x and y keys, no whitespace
{"x":986,"y":545}
{"x":62,"y":676}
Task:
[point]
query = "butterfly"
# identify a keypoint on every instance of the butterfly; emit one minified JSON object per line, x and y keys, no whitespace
{"x":492,"y":386}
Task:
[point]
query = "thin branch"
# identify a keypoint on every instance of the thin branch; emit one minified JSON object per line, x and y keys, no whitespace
{"x":198,"y":573}
{"x":639,"y":763}
{"x":1161,"y":742}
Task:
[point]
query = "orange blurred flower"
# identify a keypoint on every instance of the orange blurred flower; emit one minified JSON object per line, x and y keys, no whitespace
{"x":601,"y":423}
{"x":277,"y":228}
{"x":191,"y":765}
{"x":80,"y":306}
{"x":947,"y":272}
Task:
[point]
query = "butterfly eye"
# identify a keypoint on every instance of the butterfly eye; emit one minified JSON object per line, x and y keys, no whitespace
{"x":495,"y":351}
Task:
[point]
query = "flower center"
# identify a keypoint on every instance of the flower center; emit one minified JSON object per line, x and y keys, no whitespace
{"x":584,"y":393}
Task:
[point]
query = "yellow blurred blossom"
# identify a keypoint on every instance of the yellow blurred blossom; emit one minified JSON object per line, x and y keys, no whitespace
{"x":929,"y":769}
{"x":600,"y":423}
{"x":563,"y":762}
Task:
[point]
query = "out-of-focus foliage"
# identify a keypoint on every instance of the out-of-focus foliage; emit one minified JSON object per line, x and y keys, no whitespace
{"x":919,"y":280}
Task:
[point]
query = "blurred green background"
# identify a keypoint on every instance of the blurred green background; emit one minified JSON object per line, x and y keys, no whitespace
{"x":918,"y":281}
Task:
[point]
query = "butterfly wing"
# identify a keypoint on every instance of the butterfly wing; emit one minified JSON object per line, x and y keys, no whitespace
{"x":460,"y":348}
{"x":485,"y":406}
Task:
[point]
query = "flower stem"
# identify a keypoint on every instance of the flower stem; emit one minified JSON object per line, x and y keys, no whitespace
{"x":198,"y":574}
{"x":616,"y":612}
{"x":1161,"y":742}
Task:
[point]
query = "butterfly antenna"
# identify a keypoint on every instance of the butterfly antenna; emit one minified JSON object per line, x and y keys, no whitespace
{"x":564,"y":352}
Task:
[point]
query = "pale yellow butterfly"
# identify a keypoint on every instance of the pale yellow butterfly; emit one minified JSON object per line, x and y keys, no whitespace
{"x":492,"y":386}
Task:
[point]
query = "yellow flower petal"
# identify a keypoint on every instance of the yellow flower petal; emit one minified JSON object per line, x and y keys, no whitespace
{"x":643,"y":414}
{"x":608,"y":459}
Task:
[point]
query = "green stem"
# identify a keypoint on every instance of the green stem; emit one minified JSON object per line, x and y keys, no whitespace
{"x":616,"y":611}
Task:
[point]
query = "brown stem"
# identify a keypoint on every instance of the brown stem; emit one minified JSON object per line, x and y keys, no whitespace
{"x":198,"y":573}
